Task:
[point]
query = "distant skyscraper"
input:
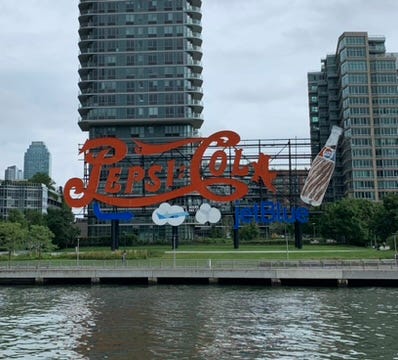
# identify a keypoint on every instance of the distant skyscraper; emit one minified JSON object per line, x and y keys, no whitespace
{"x":357,"y":89}
{"x":37,"y":160}
{"x":13,"y":173}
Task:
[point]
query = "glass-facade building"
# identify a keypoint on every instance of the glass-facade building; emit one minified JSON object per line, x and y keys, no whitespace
{"x":140,"y":66}
{"x":37,"y":159}
{"x":357,"y":89}
{"x":140,"y":75}
{"x":13,"y":173}
{"x":22,"y":195}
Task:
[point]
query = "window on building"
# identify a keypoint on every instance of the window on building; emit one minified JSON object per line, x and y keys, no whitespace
{"x":137,"y":131}
{"x":153,"y":85}
{"x":130,"y":86}
{"x":130,"y":59}
{"x":110,"y":60}
{"x":130,"y":99}
{"x":169,"y":18}
{"x":130,"y":19}
{"x":152,"y":5}
{"x":153,"y":99}
{"x":152,"y":18}
{"x":153,"y":112}
{"x":168,"y":58}
{"x":152,"y":31}
{"x":152,"y":59}
{"x":168,"y":30}
{"x":130,"y":32}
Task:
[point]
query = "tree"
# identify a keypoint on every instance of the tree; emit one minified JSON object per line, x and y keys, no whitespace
{"x":27,"y":218}
{"x":34,"y":217}
{"x":349,"y":221}
{"x":43,"y":178}
{"x":386,"y":219}
{"x":17,"y":216}
{"x":61,"y":223}
{"x":13,"y":237}
{"x":40,"y":238}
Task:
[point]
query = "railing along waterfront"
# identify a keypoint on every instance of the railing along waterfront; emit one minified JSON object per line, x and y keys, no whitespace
{"x":181,"y":264}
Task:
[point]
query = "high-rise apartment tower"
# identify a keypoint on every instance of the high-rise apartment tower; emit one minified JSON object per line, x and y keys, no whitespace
{"x":140,"y":71}
{"x":357,"y":89}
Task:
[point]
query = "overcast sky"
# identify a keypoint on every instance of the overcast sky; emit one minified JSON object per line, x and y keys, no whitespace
{"x":256,"y":55}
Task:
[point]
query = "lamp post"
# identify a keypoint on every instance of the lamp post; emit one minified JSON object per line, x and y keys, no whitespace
{"x":174,"y":243}
{"x":287,"y":244}
{"x":313,"y":236}
{"x":77,"y":251}
{"x":125,"y":239}
{"x":395,"y":248}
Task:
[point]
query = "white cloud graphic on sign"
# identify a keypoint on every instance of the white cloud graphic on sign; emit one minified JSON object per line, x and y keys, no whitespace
{"x":169,"y":214}
{"x":206,"y":213}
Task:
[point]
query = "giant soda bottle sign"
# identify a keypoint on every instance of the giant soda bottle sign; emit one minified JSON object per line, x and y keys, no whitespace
{"x":321,"y":170}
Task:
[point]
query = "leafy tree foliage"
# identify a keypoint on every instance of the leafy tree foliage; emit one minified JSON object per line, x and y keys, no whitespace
{"x":57,"y":226}
{"x":43,"y":178}
{"x":386,"y":220}
{"x":27,"y":218}
{"x":17,"y":216}
{"x":349,"y":221}
{"x":61,"y":223}
{"x":13,"y":237}
{"x":39,"y":239}
{"x":34,"y":217}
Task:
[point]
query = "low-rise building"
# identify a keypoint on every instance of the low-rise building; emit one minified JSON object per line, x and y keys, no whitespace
{"x":24,"y":195}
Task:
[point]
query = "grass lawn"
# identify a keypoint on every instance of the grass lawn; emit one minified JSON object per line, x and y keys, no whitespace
{"x":218,"y":252}
{"x":308,"y":252}
{"x":255,"y":252}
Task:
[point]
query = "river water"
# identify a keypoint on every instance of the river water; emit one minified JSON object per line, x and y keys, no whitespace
{"x":197,"y":322}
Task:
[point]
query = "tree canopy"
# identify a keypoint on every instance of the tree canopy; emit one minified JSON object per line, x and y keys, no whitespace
{"x":386,"y":219}
{"x":61,"y":223}
{"x":43,"y":178}
{"x":12,"y":236}
{"x":359,"y":221}
{"x":39,"y":239}
{"x":33,"y":231}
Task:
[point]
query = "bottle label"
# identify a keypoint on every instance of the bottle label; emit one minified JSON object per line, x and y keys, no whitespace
{"x":328,"y":153}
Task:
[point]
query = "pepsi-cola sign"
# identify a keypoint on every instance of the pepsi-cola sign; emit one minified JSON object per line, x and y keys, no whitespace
{"x":103,"y":155}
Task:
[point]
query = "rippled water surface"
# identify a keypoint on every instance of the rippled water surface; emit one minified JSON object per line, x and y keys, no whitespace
{"x":197,"y":322}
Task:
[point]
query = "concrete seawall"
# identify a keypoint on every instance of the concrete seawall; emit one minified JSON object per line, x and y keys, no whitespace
{"x":314,"y":273}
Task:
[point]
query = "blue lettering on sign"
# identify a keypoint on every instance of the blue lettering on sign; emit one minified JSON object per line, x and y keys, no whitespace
{"x":111,"y":216}
{"x":268,"y":212}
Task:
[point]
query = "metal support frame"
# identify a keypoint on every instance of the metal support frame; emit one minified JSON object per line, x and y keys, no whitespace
{"x":289,"y":164}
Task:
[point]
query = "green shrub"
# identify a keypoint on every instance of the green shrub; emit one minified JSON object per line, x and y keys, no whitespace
{"x":249,"y":232}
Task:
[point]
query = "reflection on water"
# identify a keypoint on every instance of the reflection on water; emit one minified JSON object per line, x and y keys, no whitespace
{"x":197,"y":322}
{"x":43,"y":323}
